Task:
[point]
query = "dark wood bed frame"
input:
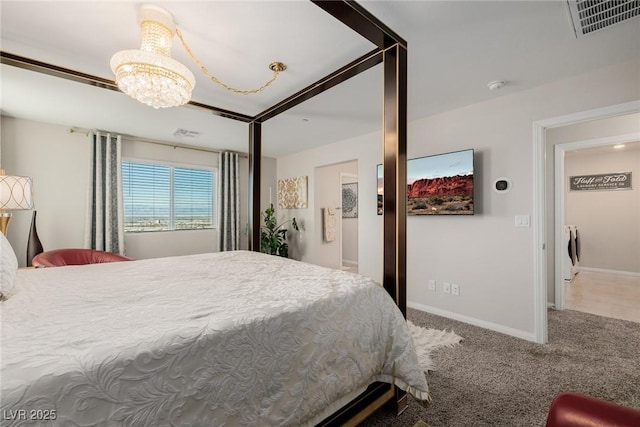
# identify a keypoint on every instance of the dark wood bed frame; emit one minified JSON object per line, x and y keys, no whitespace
{"x":391,"y":51}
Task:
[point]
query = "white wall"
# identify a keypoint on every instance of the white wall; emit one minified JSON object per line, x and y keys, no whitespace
{"x":594,"y":129}
{"x":268,"y":183}
{"x":608,"y":221}
{"x":367,"y":149}
{"x":57,"y":161}
{"x":485,"y":254}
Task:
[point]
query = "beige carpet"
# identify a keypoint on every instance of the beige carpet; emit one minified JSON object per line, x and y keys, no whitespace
{"x":495,"y":380}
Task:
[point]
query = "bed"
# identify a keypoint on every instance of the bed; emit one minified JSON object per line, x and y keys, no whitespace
{"x":229,"y":338}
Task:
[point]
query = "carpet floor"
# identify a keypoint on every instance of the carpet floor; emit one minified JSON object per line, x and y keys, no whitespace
{"x":496,"y":380}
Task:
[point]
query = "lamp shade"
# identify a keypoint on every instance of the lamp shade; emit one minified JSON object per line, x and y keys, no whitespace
{"x":16,"y":193}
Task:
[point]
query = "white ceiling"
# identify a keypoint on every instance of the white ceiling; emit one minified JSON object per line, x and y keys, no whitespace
{"x":455,"y":48}
{"x":627,"y":147}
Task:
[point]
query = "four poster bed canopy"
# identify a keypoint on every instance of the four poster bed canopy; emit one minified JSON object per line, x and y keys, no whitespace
{"x":391,"y":52}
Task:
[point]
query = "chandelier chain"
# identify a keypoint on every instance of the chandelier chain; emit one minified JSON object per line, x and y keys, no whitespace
{"x":214,"y":79}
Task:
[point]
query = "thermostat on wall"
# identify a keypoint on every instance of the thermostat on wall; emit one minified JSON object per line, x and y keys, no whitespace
{"x":502,"y":185}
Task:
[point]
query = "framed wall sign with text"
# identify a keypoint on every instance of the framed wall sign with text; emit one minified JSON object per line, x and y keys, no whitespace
{"x":603,"y":181}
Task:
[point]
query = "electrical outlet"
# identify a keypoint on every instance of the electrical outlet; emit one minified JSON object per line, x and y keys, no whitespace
{"x":455,"y":289}
{"x":446,"y":287}
{"x":432,"y":285}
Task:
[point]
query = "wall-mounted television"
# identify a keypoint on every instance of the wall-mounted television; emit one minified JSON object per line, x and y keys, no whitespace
{"x":437,"y":185}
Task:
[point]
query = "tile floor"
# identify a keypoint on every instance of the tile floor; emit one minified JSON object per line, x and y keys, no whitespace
{"x":609,"y":295}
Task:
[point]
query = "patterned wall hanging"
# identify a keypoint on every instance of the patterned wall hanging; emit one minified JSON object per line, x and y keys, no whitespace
{"x":292,"y":193}
{"x":350,"y":200}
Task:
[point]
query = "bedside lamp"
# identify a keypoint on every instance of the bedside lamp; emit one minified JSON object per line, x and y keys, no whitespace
{"x":16,"y":193}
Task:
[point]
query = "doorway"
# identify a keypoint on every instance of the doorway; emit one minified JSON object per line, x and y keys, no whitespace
{"x":328,"y":212}
{"x":545,"y":264}
{"x":608,"y":283}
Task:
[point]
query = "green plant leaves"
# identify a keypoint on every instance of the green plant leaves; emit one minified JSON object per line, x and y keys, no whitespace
{"x":273,"y":238}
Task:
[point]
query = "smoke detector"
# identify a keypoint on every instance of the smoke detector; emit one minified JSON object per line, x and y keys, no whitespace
{"x":184,"y":133}
{"x":496,"y":84}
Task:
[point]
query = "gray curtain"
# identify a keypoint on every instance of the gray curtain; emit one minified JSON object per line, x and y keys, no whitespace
{"x":229,"y":202}
{"x":104,"y":229}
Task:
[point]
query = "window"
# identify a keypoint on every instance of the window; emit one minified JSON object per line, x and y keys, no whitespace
{"x":160,"y":197}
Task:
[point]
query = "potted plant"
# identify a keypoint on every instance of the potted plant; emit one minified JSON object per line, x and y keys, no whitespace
{"x":273,"y":238}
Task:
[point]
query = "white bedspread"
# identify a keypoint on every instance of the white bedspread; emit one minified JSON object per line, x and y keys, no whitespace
{"x":221,"y":339}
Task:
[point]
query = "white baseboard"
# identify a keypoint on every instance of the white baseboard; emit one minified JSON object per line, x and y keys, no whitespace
{"x":529,"y":336}
{"x":349,"y":262}
{"x":605,"y":271}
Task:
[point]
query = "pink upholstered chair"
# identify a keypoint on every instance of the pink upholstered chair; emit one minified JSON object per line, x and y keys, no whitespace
{"x":61,"y":257}
{"x":579,"y":410}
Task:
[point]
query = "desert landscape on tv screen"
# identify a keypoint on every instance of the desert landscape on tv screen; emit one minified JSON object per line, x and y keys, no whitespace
{"x":438,"y":185}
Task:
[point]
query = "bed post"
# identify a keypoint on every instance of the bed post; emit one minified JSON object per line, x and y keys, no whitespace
{"x":394,"y":128}
{"x":395,"y":183}
{"x":395,"y":173}
{"x":394,"y":49}
{"x":255,"y":162}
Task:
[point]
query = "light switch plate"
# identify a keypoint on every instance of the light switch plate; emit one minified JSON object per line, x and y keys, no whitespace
{"x":522,"y":221}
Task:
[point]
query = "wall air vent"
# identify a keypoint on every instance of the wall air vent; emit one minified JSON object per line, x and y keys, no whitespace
{"x":184,"y":133}
{"x":593,"y":15}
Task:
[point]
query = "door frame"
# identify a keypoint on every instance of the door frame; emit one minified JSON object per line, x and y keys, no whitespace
{"x":344,"y":175}
{"x":539,"y":219}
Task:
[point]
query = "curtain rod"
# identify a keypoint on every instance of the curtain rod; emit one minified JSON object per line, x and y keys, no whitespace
{"x":152,"y":141}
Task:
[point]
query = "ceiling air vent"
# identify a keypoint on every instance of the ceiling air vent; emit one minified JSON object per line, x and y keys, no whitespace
{"x":593,"y":15}
{"x":184,"y":133}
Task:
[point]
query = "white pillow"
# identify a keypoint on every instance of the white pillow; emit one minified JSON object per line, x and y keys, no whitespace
{"x":8,"y":267}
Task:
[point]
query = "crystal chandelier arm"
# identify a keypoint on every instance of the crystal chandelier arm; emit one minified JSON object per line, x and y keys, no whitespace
{"x":276,"y":67}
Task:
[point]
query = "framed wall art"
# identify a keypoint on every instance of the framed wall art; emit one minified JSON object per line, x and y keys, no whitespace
{"x":601,"y":181}
{"x":292,"y":193}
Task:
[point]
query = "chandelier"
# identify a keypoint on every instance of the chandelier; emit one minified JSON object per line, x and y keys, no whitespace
{"x":152,"y":77}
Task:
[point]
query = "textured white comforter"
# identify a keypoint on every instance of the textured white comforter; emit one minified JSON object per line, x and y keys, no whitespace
{"x":221,"y":339}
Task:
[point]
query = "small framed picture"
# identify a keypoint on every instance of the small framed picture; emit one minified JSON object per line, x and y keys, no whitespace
{"x":350,"y":200}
